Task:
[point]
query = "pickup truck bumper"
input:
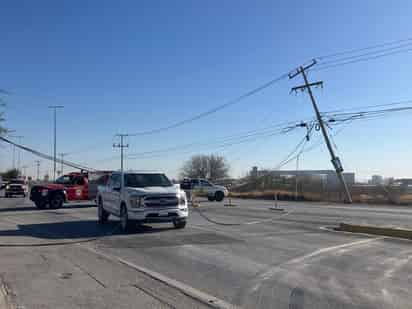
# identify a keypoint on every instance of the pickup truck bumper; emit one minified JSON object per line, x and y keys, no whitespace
{"x":158,"y":215}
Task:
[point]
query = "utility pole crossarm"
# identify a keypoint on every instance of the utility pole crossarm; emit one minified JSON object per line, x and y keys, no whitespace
{"x":303,"y":87}
{"x":301,"y":69}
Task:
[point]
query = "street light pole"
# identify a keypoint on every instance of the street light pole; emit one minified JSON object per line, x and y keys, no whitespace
{"x":55,"y":107}
{"x":38,"y":169}
{"x":62,"y":155}
{"x":19,"y":151}
{"x":19,"y":137}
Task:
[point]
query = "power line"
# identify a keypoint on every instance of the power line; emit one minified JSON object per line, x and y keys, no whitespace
{"x":221,"y":145}
{"x":371,"y":114}
{"x":213,"y":110}
{"x":320,"y":67}
{"x":45,"y":156}
{"x":363,"y":48}
{"x":221,"y":142}
{"x":371,"y":53}
{"x":331,"y":118}
{"x":368,"y":106}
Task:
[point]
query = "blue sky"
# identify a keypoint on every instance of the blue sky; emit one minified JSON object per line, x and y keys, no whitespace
{"x":128,"y":66}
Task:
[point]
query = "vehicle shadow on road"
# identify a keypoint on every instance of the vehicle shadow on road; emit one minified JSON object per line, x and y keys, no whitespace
{"x":76,"y":230}
{"x":31,"y":208}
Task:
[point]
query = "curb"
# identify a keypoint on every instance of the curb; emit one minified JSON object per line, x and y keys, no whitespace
{"x":202,"y":297}
{"x":375,"y":230}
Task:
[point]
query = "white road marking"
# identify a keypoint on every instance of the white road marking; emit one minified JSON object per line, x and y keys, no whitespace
{"x":273,"y":270}
{"x":396,"y":265}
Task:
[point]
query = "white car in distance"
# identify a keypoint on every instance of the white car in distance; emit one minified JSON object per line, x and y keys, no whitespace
{"x":205,"y":188}
{"x":142,"y":197}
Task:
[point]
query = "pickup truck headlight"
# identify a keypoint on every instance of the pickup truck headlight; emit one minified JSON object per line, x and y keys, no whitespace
{"x":7,"y":187}
{"x":136,"y":202}
{"x":182,"y":199}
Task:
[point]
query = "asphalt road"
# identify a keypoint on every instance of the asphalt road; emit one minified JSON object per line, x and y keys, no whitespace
{"x":248,"y":256}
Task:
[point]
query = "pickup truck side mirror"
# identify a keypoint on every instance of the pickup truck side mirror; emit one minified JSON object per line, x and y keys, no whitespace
{"x":116,"y":189}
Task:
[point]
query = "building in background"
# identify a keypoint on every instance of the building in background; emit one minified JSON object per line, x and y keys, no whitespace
{"x":376,"y":180}
{"x":327,"y":177}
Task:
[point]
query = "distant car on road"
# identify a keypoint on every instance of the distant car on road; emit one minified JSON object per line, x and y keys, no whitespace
{"x":203,"y":187}
{"x":15,"y":187}
{"x":142,"y":197}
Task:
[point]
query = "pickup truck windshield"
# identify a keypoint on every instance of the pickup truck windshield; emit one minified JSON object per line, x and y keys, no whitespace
{"x":146,"y":180}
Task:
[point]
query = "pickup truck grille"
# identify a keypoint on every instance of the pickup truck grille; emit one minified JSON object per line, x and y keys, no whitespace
{"x":161,"y":201}
{"x":13,"y":187}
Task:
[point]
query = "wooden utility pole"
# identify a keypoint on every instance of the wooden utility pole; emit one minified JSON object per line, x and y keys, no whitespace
{"x":121,"y":145}
{"x":334,"y":159}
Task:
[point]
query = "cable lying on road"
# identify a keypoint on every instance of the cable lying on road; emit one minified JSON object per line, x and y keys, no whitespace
{"x":201,"y":213}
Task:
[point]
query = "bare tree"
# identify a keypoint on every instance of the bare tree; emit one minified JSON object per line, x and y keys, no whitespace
{"x":212,"y":166}
{"x":11,"y":173}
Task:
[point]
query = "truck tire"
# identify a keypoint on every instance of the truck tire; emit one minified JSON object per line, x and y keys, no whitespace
{"x":179,"y":224}
{"x":125,"y":223}
{"x":56,"y":201}
{"x":219,"y":196}
{"x":211,"y":198}
{"x":103,"y":215}
{"x":40,"y":205}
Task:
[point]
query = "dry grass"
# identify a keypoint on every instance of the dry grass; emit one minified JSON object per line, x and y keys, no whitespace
{"x":357,"y":196}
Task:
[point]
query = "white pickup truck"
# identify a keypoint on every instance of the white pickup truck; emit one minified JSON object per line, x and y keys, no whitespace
{"x":145,"y":197}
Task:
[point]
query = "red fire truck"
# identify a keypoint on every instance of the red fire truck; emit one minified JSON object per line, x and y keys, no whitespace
{"x":76,"y":186}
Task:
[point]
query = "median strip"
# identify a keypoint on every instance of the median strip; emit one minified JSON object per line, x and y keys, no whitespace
{"x":375,"y":230}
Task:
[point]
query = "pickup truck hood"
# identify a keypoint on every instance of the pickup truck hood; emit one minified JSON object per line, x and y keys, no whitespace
{"x":51,"y":186}
{"x":154,"y":190}
{"x":220,"y":187}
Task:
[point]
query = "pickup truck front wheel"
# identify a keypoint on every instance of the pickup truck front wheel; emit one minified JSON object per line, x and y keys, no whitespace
{"x":179,"y":224}
{"x":56,"y":201}
{"x":40,"y":204}
{"x":102,"y":214}
{"x":125,"y":223}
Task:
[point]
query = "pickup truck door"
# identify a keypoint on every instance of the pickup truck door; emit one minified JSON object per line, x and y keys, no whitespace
{"x":115,"y":194}
{"x":111,"y":194}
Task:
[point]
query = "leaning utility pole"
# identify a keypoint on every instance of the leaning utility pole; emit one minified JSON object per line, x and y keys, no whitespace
{"x":38,"y":169}
{"x":121,"y":145}
{"x":55,"y":107}
{"x":335,"y":160}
